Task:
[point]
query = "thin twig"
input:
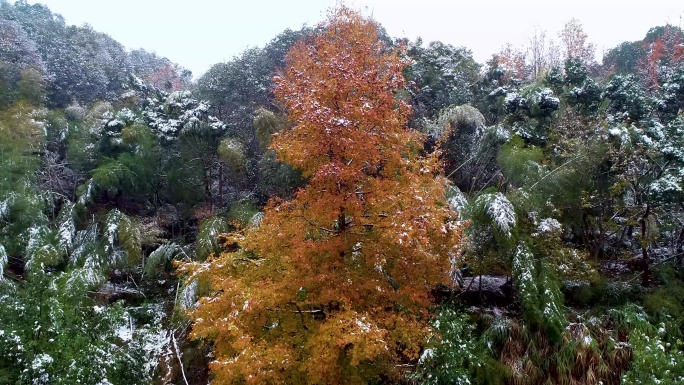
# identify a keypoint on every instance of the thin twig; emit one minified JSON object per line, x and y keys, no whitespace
{"x":554,"y":170}
{"x":459,"y":167}
{"x":180,"y":362}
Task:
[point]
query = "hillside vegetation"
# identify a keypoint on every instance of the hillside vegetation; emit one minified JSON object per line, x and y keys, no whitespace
{"x":340,"y":206}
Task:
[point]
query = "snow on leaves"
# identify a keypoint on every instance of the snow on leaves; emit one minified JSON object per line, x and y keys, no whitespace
{"x":456,"y":199}
{"x":160,"y":256}
{"x":178,"y":112}
{"x":500,"y":210}
{"x":67,"y":227}
{"x":16,"y":46}
{"x":3,"y":261}
{"x":548,"y":226}
{"x":540,"y":297}
{"x":6,"y":206}
{"x":40,"y":250}
{"x":87,"y":277}
{"x":546,"y":99}
{"x":168,"y":114}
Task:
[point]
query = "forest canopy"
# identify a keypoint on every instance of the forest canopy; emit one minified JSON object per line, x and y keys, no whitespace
{"x":340,"y":206}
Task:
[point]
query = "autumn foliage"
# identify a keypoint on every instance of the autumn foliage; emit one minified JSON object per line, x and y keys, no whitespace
{"x":334,"y":285}
{"x":652,"y":63}
{"x":512,"y":62}
{"x":667,"y":48}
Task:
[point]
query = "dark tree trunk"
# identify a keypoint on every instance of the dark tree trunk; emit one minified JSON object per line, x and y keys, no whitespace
{"x":644,"y":252}
{"x":219,"y":199}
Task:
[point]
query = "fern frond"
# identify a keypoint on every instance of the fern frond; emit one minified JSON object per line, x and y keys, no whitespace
{"x":540,"y":296}
{"x":85,"y":278}
{"x":160,"y":256}
{"x":41,"y":249}
{"x":67,"y":227}
{"x":456,"y":199}
{"x":85,"y":244}
{"x":113,"y":251}
{"x":207,"y":243}
{"x":130,"y":238}
{"x":86,"y":192}
{"x":499,"y":210}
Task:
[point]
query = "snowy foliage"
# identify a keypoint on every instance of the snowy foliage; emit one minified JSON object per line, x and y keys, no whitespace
{"x":549,"y":226}
{"x":41,"y":250}
{"x":500,"y":210}
{"x":39,"y":366}
{"x":667,"y":183}
{"x":499,"y":133}
{"x":171,"y":115}
{"x":113,"y":123}
{"x":256,"y":219}
{"x":6,"y":205}
{"x":497,"y":92}
{"x":16,"y":46}
{"x":160,"y":72}
{"x":540,"y":297}
{"x":78,"y":63}
{"x":235,"y":89}
{"x":20,"y":62}
{"x":621,"y":132}
{"x":587,"y":96}
{"x":78,"y":342}
{"x":456,"y":199}
{"x":189,"y":295}
{"x":588,"y":155}
{"x":523,"y":268}
{"x":545,"y":100}
{"x":462,"y":120}
{"x":441,"y":75}
{"x":160,"y":256}
{"x":88,"y":276}
{"x":114,"y":252}
{"x":67,"y":227}
{"x":130,"y":238}
{"x":86,"y":193}
{"x":3,"y":262}
{"x":232,"y":151}
{"x":628,"y":98}
{"x":452,"y":353}
{"x":515,"y":103}
{"x":657,"y":357}
{"x":209,"y":231}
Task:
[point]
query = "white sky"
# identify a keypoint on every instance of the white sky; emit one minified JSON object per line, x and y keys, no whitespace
{"x":199,"y":33}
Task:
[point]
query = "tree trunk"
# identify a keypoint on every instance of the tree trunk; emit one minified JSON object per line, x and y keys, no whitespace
{"x":644,"y":253}
{"x":219,"y":200}
{"x":588,"y":237}
{"x":207,"y":188}
{"x":341,"y":221}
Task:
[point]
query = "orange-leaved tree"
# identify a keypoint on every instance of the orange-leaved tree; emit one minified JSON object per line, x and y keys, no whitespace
{"x":333,"y":286}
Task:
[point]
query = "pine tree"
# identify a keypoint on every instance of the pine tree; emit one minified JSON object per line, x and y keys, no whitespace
{"x":334,"y":285}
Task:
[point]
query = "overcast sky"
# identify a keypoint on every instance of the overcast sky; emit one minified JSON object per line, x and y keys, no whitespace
{"x":200,"y":33}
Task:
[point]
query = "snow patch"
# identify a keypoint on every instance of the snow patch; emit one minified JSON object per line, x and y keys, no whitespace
{"x":548,"y":226}
{"x":363,"y":325}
